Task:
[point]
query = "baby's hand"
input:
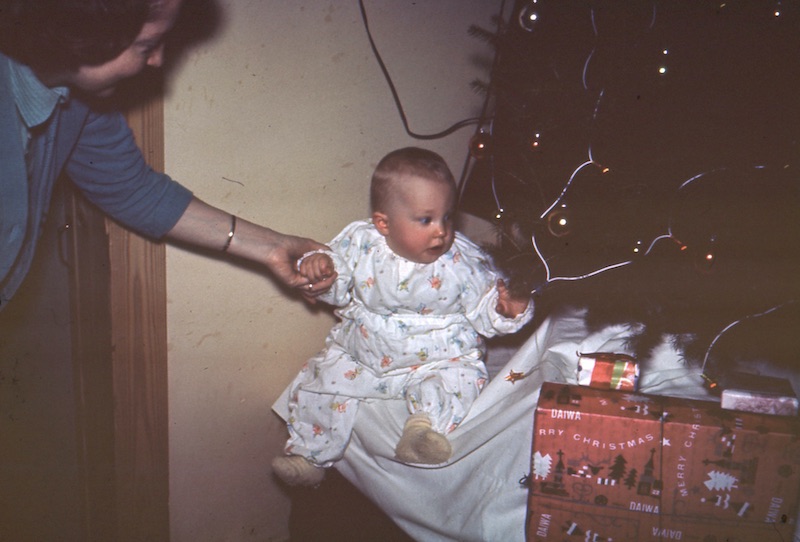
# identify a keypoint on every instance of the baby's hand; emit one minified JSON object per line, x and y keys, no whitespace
{"x":509,"y":306}
{"x":316,"y":267}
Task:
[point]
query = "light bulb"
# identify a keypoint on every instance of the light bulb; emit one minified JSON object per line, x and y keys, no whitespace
{"x":529,"y":16}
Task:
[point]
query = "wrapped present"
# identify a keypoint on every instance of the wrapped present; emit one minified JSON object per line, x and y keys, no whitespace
{"x":611,"y":465}
{"x":758,"y":393}
{"x":609,"y":371}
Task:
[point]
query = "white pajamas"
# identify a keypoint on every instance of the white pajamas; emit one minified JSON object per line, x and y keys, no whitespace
{"x":408,"y":330}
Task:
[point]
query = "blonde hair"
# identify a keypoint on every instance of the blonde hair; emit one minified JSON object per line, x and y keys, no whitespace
{"x":401,"y":163}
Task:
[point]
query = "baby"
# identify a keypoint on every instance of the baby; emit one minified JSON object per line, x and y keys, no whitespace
{"x":414,"y":298}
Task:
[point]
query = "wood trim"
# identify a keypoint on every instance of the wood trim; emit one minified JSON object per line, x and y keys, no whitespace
{"x":119,"y":335}
{"x":91,"y":354}
{"x":139,"y":359}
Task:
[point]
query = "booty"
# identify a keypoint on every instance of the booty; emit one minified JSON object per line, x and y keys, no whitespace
{"x":421,"y":444}
{"x":296,"y":470}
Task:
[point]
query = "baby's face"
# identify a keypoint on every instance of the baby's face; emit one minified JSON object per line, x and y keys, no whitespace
{"x":419,"y":222}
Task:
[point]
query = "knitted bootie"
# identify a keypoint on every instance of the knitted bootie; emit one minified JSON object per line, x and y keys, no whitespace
{"x":421,"y":444}
{"x":296,"y":470}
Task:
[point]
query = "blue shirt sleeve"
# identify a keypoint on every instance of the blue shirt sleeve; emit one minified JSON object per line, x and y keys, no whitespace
{"x":108,"y":167}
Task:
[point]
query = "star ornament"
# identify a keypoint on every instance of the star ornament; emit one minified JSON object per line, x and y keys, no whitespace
{"x":513,"y":376}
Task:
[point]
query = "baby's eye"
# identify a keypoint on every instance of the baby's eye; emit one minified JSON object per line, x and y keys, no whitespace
{"x":425,"y":220}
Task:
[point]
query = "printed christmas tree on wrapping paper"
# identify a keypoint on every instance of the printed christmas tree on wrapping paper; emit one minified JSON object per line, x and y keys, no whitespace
{"x":720,"y":481}
{"x":541,"y":465}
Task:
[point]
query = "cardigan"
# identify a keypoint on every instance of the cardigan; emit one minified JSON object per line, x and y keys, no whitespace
{"x":95,"y":149}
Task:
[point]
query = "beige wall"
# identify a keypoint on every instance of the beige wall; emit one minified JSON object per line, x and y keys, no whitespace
{"x":280,"y":118}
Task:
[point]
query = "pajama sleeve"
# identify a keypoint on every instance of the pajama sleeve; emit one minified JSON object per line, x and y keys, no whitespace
{"x":488,"y":322}
{"x":345,"y":250}
{"x":481,"y":295}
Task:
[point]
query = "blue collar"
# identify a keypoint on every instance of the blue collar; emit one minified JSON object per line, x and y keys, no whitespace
{"x":35,"y":101}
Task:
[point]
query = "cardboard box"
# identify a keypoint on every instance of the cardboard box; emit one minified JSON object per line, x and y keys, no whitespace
{"x":611,"y":465}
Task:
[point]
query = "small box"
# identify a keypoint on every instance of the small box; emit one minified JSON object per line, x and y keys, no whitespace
{"x":610,"y":465}
{"x":758,"y":393}
{"x":608,"y":371}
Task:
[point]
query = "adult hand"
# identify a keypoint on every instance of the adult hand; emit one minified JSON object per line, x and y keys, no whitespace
{"x":205,"y":226}
{"x":282,"y":262}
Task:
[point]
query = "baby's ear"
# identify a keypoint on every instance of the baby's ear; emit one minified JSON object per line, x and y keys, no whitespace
{"x":381,"y":222}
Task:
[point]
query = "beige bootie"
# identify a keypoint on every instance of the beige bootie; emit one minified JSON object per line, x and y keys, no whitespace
{"x":421,"y":444}
{"x":296,"y":470}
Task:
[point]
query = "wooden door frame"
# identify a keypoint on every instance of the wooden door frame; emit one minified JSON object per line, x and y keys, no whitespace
{"x":120,"y":364}
{"x":138,"y":291}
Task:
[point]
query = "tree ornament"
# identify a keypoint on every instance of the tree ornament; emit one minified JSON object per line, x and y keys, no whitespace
{"x":479,"y":145}
{"x":705,"y":258}
{"x":529,"y":16}
{"x":559,"y":221}
{"x":535,"y":141}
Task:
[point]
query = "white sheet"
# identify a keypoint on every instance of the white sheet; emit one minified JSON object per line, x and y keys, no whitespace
{"x":477,"y":495}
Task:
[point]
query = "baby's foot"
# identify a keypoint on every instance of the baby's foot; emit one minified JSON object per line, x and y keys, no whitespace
{"x":296,"y":470}
{"x":421,"y":444}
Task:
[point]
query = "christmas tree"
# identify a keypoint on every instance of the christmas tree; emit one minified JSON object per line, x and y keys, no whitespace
{"x":641,"y":159}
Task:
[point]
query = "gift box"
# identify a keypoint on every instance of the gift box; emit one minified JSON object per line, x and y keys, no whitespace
{"x":611,"y":465}
{"x":606,"y":370}
{"x":758,"y":393}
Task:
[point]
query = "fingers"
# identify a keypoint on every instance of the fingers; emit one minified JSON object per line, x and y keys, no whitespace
{"x":312,"y":289}
{"x":315,"y":274}
{"x":316,"y":267}
{"x":501,"y":286}
{"x":323,"y":284}
{"x":508,"y":305}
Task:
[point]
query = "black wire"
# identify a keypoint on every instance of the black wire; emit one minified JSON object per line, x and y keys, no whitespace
{"x":479,"y":121}
{"x":453,"y":128}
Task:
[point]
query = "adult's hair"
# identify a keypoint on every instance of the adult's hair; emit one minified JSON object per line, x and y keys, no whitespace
{"x":62,"y":35}
{"x":408,"y":161}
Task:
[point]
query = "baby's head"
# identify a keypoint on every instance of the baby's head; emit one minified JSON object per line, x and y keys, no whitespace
{"x":413,"y":199}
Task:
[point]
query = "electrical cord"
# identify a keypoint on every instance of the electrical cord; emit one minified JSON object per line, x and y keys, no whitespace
{"x":398,"y":103}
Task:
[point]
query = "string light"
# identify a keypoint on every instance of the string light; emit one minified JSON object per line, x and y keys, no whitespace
{"x":500,"y":209}
{"x":558,"y":226}
{"x":712,"y":384}
{"x":586,"y":68}
{"x":670,"y":235}
{"x":535,"y":140}
{"x":555,"y":217}
{"x":560,"y":221}
{"x":597,"y":104}
{"x":589,"y":162}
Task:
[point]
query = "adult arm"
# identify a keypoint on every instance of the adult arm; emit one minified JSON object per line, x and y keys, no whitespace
{"x":109,"y":169}
{"x":204,"y":226}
